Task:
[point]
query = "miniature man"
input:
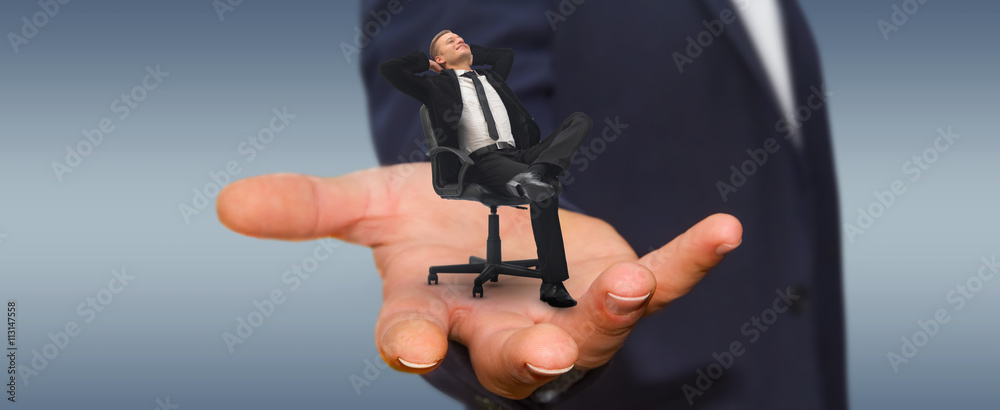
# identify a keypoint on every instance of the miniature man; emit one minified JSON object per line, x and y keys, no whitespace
{"x":480,"y":115}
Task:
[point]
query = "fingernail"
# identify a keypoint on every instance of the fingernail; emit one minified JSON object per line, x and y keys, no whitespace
{"x":416,"y":365}
{"x":726,"y":247}
{"x":548,"y":372}
{"x":623,"y":305}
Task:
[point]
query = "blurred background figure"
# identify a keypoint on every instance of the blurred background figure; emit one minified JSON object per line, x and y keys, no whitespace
{"x":698,"y":107}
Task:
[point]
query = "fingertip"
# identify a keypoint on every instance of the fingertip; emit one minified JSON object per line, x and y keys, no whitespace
{"x":227,"y":204}
{"x":726,"y":230}
{"x":530,"y":357}
{"x":414,"y":346}
{"x":621,"y":290}
{"x":682,"y":263}
{"x":626,"y":279}
{"x":547,"y":372}
{"x":709,"y":240}
{"x":547,"y":348}
{"x":418,"y":367}
{"x":271,"y":206}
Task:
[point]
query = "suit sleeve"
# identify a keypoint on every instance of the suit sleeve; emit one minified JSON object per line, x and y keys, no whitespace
{"x":501,"y":59}
{"x":402,"y":73}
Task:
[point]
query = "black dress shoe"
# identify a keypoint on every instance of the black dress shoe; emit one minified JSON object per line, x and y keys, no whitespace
{"x":530,"y":185}
{"x":556,"y":295}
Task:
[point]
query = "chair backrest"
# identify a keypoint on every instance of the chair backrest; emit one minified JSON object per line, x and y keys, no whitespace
{"x":444,"y":168}
{"x":449,"y":166}
{"x":425,"y":122}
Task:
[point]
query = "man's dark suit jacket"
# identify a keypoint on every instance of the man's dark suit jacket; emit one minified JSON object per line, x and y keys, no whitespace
{"x":442,"y":95}
{"x":655,"y":174}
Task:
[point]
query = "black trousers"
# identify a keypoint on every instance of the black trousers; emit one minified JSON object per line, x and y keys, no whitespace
{"x":494,"y":169}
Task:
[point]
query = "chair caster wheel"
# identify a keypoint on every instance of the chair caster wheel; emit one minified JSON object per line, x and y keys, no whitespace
{"x":477,"y":290}
{"x":432,"y":279}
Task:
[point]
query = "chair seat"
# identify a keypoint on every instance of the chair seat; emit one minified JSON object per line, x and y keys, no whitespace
{"x":480,"y":193}
{"x":448,"y":169}
{"x":487,"y":196}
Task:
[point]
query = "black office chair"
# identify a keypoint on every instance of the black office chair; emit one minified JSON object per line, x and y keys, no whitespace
{"x":448,"y":169}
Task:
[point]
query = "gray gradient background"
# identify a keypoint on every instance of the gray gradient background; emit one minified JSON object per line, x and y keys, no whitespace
{"x":162,"y":336}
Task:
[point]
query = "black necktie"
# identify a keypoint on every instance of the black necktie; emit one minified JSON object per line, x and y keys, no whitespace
{"x":481,"y":93}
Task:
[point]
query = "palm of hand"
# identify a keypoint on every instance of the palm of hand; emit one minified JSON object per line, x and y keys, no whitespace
{"x":516,"y":342}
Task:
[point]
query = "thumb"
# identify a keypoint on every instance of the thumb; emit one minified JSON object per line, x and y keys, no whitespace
{"x":301,"y":207}
{"x":680,"y":264}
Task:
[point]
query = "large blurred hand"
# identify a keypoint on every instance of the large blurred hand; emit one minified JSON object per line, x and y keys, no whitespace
{"x":516,"y":342}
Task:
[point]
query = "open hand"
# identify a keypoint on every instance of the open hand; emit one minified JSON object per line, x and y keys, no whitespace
{"x":516,"y":342}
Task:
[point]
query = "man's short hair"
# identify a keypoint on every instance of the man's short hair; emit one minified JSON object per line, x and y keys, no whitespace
{"x":433,"y":49}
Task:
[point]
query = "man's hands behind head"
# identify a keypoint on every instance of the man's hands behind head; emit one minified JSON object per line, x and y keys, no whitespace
{"x":434,"y":66}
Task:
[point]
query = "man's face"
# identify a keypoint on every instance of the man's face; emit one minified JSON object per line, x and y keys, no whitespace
{"x":451,"y":48}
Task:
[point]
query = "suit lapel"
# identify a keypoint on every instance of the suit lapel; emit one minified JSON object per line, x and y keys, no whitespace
{"x":739,"y":37}
{"x":451,"y":74}
{"x":806,"y":78}
{"x":802,"y":50}
{"x":799,"y":46}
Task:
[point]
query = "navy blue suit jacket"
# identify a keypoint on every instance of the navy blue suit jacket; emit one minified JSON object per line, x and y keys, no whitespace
{"x":681,"y":130}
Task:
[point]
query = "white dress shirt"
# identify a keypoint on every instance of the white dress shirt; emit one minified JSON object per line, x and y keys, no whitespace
{"x":472,"y":131}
